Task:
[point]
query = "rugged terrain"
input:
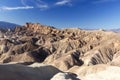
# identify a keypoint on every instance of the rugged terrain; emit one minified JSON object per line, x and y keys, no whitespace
{"x":40,"y":52}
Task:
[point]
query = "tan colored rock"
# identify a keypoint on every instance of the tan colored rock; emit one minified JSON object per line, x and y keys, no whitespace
{"x":65,"y":76}
{"x":40,"y":28}
{"x":116,"y":59}
{"x":85,"y":52}
{"x":97,"y":72}
{"x":102,"y":55}
{"x":25,"y":53}
{"x":66,"y":61}
{"x":25,"y":57}
{"x":111,"y":73}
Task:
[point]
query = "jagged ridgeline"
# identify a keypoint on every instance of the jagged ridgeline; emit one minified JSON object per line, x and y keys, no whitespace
{"x":80,"y":52}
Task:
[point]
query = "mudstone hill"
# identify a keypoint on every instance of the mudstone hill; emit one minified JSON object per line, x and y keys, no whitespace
{"x":40,"y":52}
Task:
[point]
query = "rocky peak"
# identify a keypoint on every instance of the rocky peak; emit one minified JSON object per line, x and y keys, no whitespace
{"x":36,"y":28}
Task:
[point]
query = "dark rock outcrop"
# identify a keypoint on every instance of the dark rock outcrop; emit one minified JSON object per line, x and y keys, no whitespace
{"x":21,"y":72}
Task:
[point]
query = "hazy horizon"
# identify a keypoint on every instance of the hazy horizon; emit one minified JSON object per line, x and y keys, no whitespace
{"x":84,"y":14}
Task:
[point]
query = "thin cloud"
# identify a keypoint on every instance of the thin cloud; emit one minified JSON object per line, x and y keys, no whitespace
{"x":16,"y":8}
{"x":102,"y":1}
{"x":63,"y":2}
{"x":43,"y":6}
{"x":40,"y":4}
{"x":36,"y":3}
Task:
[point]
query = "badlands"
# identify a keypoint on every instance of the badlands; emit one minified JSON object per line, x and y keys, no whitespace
{"x":40,"y":52}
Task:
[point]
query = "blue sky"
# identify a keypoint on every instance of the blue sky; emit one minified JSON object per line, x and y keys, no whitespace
{"x":85,"y":14}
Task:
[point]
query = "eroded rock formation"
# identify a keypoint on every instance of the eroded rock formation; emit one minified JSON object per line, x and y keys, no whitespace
{"x":67,"y":49}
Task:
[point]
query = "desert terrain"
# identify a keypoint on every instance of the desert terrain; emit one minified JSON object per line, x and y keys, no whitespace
{"x":39,"y":52}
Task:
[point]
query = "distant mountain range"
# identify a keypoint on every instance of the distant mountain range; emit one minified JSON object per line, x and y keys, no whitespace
{"x":7,"y":25}
{"x":115,"y":30}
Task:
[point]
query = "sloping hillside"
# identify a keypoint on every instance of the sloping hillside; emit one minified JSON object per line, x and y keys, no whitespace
{"x":7,"y":25}
{"x":81,"y":52}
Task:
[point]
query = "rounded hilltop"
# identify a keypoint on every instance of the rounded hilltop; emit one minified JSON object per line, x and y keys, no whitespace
{"x":68,"y":54}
